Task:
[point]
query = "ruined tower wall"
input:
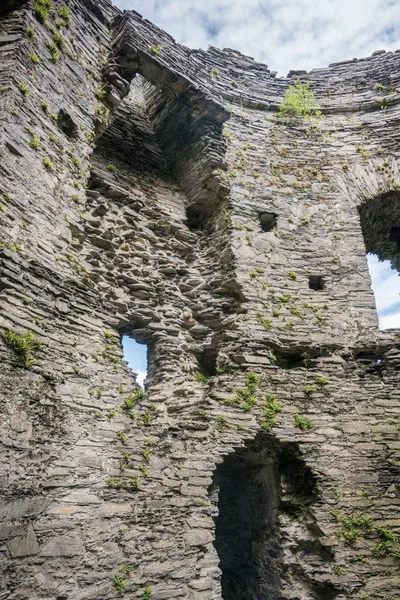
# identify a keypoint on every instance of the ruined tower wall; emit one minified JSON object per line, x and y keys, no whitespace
{"x":271,"y":409}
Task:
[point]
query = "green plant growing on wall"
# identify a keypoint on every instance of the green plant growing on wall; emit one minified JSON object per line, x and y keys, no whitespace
{"x":135,"y":483}
{"x":111,"y":414}
{"x":122,"y":437}
{"x":381,"y":102}
{"x":385,"y":534}
{"x":147,"y":593}
{"x":214,"y":74}
{"x":64,"y":12}
{"x":53,"y":51}
{"x":41,"y":9}
{"x":117,"y":484}
{"x":199,"y":377}
{"x":144,"y":469}
{"x":103,"y":114}
{"x":132,"y":399}
{"x":338,"y":570}
{"x":308,"y":389}
{"x":155,"y":49}
{"x":246,"y":396}
{"x":396,"y":553}
{"x":58,"y":39}
{"x":22,"y":345}
{"x":382,"y":549}
{"x":124,"y":460}
{"x":34,"y":57}
{"x":222,"y":423}
{"x":147,"y":418}
{"x":47,"y":162}
{"x":263,"y":321}
{"x":270,"y":408}
{"x":34,"y":142}
{"x":302,"y":423}
{"x":100,"y":93}
{"x":13,"y":246}
{"x":350,"y":536}
{"x":300,"y":103}
{"x":23,"y":88}
{"x":30,"y":32}
{"x":146,"y":452}
{"x":119,"y":583}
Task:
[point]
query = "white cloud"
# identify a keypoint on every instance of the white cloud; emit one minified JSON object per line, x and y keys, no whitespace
{"x":305,"y":34}
{"x":390,"y":321}
{"x":386,"y":286}
{"x":140,"y":377}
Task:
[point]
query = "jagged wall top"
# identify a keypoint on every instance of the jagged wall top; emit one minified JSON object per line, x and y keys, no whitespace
{"x":233,"y":77}
{"x":345,"y":86}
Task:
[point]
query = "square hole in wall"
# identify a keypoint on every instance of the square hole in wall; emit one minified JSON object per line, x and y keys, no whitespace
{"x":316,"y":282}
{"x":267,"y":221}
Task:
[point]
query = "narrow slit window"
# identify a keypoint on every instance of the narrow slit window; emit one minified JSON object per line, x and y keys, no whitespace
{"x":135,"y":355}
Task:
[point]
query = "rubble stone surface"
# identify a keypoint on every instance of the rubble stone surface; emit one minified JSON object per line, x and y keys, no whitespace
{"x":151,"y":190}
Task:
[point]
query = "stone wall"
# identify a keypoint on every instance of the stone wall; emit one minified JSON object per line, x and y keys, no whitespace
{"x":150,"y":190}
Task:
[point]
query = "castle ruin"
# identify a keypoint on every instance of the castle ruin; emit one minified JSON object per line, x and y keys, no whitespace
{"x":153,"y":191}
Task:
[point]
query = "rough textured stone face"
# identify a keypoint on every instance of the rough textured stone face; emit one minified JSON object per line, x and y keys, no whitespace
{"x":151,"y":190}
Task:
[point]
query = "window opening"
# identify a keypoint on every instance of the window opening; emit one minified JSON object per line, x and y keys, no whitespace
{"x":316,"y":282}
{"x":208,"y":362}
{"x":66,"y":124}
{"x":268,"y":221}
{"x":252,"y":488}
{"x":380,"y":223}
{"x":135,"y":355}
{"x":386,"y":287}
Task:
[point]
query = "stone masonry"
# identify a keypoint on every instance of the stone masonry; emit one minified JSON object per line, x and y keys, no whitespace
{"x":151,"y":190}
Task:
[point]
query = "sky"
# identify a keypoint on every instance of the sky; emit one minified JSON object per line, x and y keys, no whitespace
{"x":136,"y":355}
{"x":304,"y":34}
{"x":386,"y":286}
